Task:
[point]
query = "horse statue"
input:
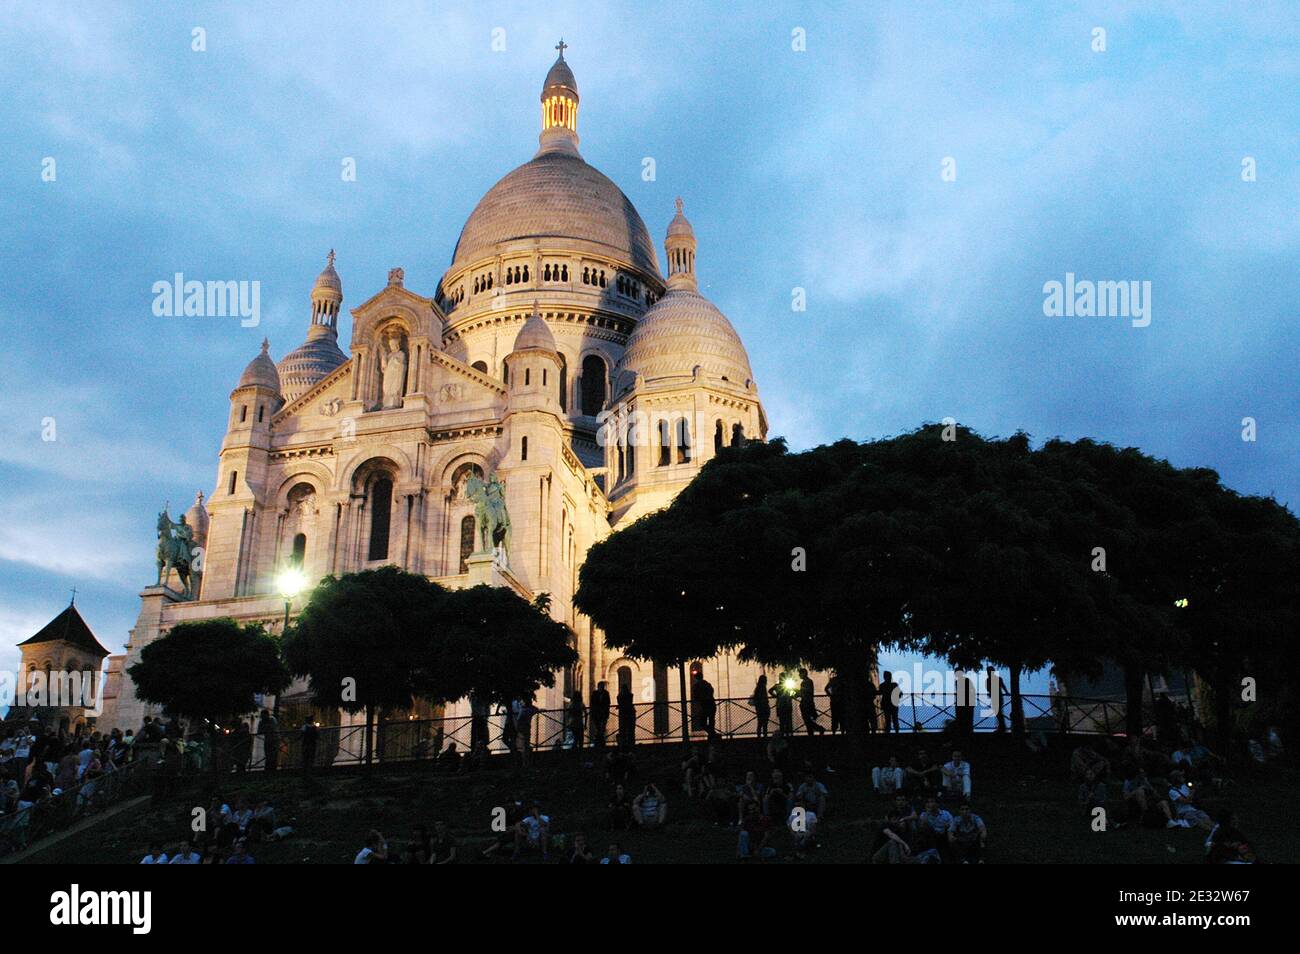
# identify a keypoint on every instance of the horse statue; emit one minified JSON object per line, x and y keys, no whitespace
{"x":175,"y":546}
{"x":490,"y":514}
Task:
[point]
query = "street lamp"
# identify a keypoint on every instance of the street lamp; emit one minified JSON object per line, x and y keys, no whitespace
{"x":291,"y":582}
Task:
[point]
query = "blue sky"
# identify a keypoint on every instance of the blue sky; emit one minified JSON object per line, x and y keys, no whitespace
{"x":818,"y":169}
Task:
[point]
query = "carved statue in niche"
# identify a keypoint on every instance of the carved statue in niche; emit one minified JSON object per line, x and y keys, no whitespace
{"x":394,"y":369}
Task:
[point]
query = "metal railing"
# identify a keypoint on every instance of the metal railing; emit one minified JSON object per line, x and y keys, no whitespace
{"x":652,"y":723}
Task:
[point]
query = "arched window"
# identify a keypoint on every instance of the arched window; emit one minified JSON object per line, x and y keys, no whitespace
{"x":528,"y":374}
{"x":234,"y":475}
{"x":737,"y":434}
{"x":480,"y":366}
{"x":381,"y":512}
{"x":593,"y":385}
{"x":466,"y":542}
{"x":665,"y":445}
{"x":718,"y":437}
{"x":243,"y":413}
{"x":523,"y":448}
{"x":299,"y":549}
{"x":564,"y":383}
{"x":683,"y":441}
{"x":525,"y":273}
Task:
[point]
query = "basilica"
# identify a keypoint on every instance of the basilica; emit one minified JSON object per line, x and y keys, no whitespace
{"x":556,"y":361}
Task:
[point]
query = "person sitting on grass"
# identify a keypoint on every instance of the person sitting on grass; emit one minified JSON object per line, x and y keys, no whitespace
{"x":691,"y":774}
{"x":239,"y":854}
{"x":722,"y":800}
{"x":803,"y":826}
{"x":967,"y":836}
{"x":1084,"y":760}
{"x":375,"y":850}
{"x":618,"y":766}
{"x":533,"y":833}
{"x":956,"y":776}
{"x":813,"y":793}
{"x":650,"y":808}
{"x":579,"y":853}
{"x":1227,"y":845}
{"x":933,"y":825}
{"x":619,"y":810}
{"x":779,"y":796}
{"x":1144,"y":804}
{"x":749,"y":792}
{"x":515,"y":812}
{"x":186,"y":855}
{"x":922,"y":775}
{"x":887,"y":779}
{"x":755,"y":835}
{"x":892,"y":844}
{"x":156,"y":855}
{"x":442,"y":848}
{"x":1183,"y":800}
{"x":1092,"y":793}
{"x":614,"y":855}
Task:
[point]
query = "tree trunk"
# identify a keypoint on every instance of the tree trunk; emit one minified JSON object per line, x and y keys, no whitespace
{"x":686,"y":713}
{"x":849,"y":686}
{"x":1133,"y":724}
{"x":1017,"y":704}
{"x":370,"y":729}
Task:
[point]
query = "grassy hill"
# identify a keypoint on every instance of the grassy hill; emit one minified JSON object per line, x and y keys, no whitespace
{"x":1025,"y":799}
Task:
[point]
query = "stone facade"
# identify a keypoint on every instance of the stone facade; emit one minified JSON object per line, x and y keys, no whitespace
{"x":553,"y":353}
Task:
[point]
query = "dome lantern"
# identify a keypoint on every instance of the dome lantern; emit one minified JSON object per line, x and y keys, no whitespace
{"x":309,"y":363}
{"x":560,"y":107}
{"x":680,"y":246}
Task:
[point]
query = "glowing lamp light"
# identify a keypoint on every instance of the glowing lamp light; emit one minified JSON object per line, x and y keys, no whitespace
{"x":790,"y":684}
{"x":291,"y":582}
{"x":1181,"y":604}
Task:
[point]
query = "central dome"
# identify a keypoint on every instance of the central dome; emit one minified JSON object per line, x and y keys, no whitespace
{"x":557,"y":195}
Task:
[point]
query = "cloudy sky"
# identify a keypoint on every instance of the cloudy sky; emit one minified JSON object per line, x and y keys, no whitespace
{"x":820,"y":169}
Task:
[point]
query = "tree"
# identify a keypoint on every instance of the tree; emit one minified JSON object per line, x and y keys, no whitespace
{"x":210,"y":670}
{"x":490,"y":642}
{"x":363,"y":642}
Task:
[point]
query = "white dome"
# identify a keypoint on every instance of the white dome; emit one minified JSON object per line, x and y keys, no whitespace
{"x":557,"y":195}
{"x":680,"y":332}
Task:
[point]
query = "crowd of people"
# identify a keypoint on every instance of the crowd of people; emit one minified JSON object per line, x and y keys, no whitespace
{"x":1147,"y":784}
{"x":777,"y":806}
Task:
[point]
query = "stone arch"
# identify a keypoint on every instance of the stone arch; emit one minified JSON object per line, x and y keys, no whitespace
{"x":396,"y":457}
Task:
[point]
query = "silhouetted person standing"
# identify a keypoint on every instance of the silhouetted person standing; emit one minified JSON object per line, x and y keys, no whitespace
{"x":808,"y":704}
{"x":762,"y":708}
{"x":626,"y":719}
{"x":889,"y":701}
{"x":599,"y":714}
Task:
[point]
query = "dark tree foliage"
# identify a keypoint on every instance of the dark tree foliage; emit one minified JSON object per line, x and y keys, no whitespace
{"x":491,"y":642}
{"x":973,"y":549}
{"x":209,"y":670}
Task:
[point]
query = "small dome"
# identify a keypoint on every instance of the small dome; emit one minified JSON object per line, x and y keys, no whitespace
{"x":309,"y":363}
{"x":197,"y":517}
{"x":535,"y":334}
{"x":328,"y":280}
{"x":680,"y":332}
{"x":679,"y":226}
{"x":261,"y":371}
{"x":560,"y":76}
